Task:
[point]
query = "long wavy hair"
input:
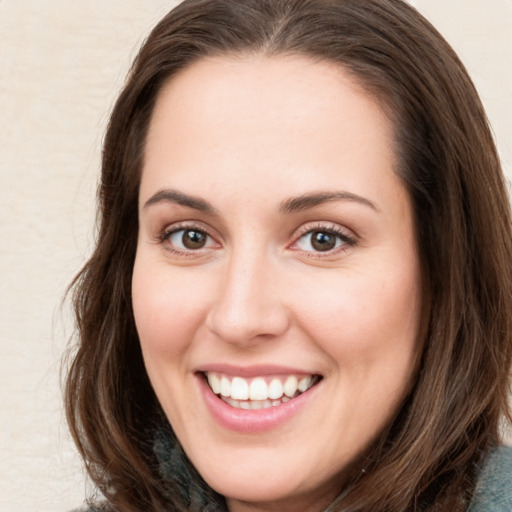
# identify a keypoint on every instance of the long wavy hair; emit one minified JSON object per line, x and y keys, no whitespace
{"x":427,"y":458}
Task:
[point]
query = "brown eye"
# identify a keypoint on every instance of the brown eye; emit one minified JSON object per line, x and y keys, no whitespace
{"x":189,"y":239}
{"x":192,"y":239}
{"x":322,"y":241}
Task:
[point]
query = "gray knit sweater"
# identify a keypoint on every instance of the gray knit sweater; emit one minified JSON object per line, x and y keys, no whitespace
{"x":494,"y":488}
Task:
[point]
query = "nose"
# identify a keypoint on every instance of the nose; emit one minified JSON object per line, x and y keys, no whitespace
{"x":248,"y":307}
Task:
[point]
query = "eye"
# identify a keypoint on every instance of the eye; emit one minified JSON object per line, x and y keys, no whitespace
{"x":189,"y":239}
{"x":323,"y":240}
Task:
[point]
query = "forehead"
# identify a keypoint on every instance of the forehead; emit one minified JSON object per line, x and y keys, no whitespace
{"x":270,"y":85}
{"x":284,"y":119}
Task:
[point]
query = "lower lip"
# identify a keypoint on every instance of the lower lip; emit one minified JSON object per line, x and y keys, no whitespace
{"x":253,"y":421}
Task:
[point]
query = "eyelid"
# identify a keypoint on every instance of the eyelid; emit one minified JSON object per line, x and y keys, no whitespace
{"x":164,"y":235}
{"x":348,"y":238}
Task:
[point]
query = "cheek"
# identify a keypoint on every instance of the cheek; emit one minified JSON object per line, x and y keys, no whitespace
{"x":365,"y":318}
{"x":166,"y":309}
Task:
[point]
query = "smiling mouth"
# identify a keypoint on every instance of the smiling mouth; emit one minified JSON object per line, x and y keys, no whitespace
{"x":259,"y":392}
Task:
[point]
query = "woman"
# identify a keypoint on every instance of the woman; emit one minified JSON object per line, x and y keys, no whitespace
{"x":300,"y":295}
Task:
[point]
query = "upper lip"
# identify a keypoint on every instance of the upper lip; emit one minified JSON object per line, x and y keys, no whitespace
{"x":253,"y":370}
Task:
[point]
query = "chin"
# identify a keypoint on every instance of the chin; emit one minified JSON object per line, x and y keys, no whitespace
{"x":287,"y":482}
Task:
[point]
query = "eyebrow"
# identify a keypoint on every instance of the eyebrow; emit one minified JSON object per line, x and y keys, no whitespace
{"x":172,"y":196}
{"x":307,"y":201}
{"x":291,"y":205}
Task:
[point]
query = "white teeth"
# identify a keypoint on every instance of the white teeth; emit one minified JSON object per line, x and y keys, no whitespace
{"x":256,"y":393}
{"x":259,"y":389}
{"x":275,"y":389}
{"x":233,"y":403}
{"x":257,"y":404}
{"x":239,"y":389}
{"x":251,"y":404}
{"x":304,"y":383}
{"x":254,"y":404}
{"x":214,"y":382}
{"x":225,"y":386}
{"x":290,"y":386}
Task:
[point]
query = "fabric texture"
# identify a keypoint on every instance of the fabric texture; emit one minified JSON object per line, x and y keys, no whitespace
{"x":493,"y":492}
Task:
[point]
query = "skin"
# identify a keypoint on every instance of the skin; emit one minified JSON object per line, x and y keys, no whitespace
{"x":245,"y":135}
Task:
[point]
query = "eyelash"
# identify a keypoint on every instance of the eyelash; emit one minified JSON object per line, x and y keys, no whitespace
{"x":164,"y":238}
{"x":347,"y":240}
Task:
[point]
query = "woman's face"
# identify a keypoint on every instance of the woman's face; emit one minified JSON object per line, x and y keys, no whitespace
{"x":276,"y":260}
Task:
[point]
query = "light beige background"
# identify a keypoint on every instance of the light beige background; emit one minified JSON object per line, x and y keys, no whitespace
{"x":61,"y":66}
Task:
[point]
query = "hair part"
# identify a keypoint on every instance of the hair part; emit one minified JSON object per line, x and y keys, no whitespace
{"x":427,"y":458}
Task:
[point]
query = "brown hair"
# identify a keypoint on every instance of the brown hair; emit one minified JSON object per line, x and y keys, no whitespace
{"x":426,"y":460}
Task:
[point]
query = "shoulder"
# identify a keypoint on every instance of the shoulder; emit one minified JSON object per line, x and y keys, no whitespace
{"x":493,"y":492}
